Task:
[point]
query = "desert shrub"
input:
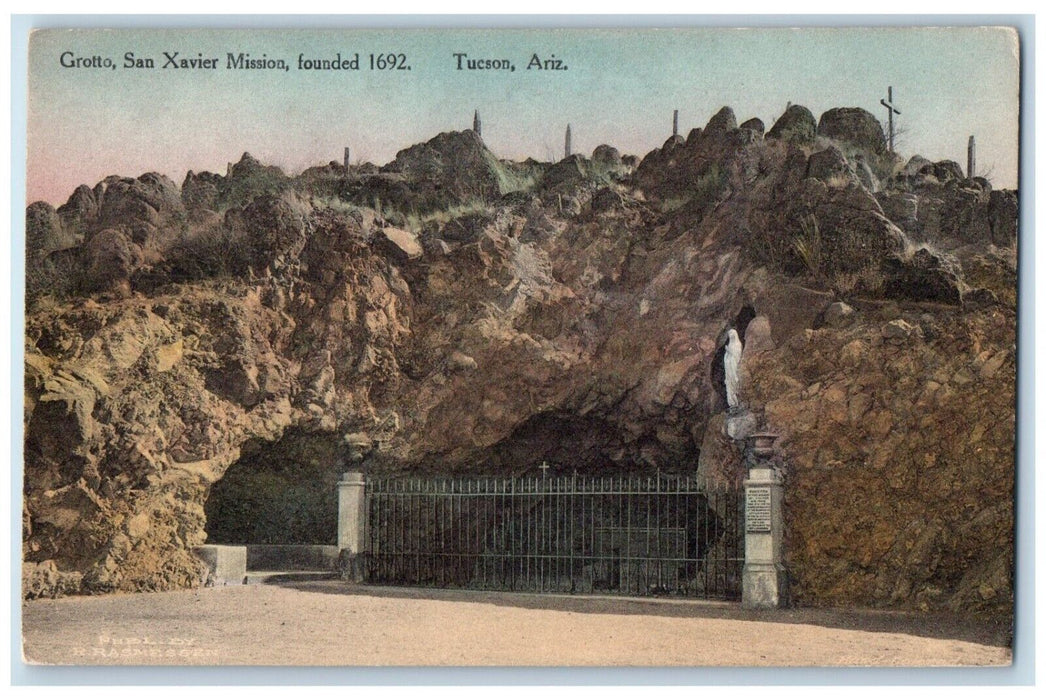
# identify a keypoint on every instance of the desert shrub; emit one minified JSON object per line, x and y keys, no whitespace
{"x":808,"y":245}
{"x":240,"y":191}
{"x":211,"y":251}
{"x":811,"y":249}
{"x":60,"y":274}
{"x":415,"y":222}
{"x":602,"y":173}
{"x":514,"y":177}
{"x":711,"y":184}
{"x":334,"y":203}
{"x":707,"y":189}
{"x":838,"y":181}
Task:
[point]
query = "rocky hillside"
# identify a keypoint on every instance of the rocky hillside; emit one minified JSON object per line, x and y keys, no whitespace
{"x":452,"y":312}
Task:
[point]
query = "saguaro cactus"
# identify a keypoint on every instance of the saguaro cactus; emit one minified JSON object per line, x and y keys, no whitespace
{"x":971,"y":158}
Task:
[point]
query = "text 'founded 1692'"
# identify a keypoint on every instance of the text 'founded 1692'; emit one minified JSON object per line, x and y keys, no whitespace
{"x":757,"y":509}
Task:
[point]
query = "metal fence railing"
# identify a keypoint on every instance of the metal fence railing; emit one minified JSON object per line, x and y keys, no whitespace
{"x":628,"y":535}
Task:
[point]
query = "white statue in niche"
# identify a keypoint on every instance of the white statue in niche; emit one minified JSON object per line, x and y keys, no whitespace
{"x":731,"y":362}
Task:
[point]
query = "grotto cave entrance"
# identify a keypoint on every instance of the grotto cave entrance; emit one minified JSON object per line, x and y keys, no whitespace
{"x":282,"y":492}
{"x":586,"y":444}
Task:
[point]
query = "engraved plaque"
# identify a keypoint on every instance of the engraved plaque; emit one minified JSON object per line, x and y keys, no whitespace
{"x":757,"y":509}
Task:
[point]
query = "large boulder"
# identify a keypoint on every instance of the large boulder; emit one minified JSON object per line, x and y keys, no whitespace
{"x":915,"y":165}
{"x":81,"y":207}
{"x":755,"y":125}
{"x":566,"y":174}
{"x":248,"y":167}
{"x":943,"y":171}
{"x":201,"y":191}
{"x":902,"y":208}
{"x":111,"y":257}
{"x":721,"y":122}
{"x":43,"y":229}
{"x":797,"y":124}
{"x":274,"y":227}
{"x":994,"y":270}
{"x":146,"y":208}
{"x":607,"y":157}
{"x":924,"y":276}
{"x":854,"y":126}
{"x":830,"y":166}
{"x":399,"y":244}
{"x":247,"y":180}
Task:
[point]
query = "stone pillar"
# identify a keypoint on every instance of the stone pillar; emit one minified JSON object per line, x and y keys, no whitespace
{"x":346,"y":158}
{"x":566,"y":144}
{"x":675,"y":122}
{"x":352,"y":523}
{"x":765,"y":580}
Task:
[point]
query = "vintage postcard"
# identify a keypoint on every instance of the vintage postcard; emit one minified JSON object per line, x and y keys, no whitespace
{"x":680,"y":347}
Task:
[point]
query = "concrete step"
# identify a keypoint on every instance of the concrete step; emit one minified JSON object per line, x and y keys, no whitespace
{"x":274,"y":577}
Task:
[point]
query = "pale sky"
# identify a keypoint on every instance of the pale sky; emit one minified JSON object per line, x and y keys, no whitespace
{"x":620,"y":88}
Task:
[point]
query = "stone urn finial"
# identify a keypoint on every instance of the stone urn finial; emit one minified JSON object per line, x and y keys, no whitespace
{"x":761,"y":445}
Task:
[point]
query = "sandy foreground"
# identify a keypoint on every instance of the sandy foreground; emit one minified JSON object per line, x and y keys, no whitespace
{"x":333,"y":623}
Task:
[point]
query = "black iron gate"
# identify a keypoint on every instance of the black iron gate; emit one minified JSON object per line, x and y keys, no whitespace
{"x":627,"y":535}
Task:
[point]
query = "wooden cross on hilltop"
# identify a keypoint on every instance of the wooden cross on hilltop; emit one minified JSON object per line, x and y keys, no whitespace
{"x":890,"y":110}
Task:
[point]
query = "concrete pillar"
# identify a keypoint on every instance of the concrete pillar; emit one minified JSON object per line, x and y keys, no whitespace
{"x":765,"y":580}
{"x":352,"y":523}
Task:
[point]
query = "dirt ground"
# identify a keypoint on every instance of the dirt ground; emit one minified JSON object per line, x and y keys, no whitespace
{"x":334,"y":623}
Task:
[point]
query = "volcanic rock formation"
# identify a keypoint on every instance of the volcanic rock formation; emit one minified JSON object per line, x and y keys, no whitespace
{"x":452,"y":312}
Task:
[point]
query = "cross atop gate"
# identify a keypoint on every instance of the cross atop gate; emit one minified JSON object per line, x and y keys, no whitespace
{"x":890,"y":110}
{"x":544,"y":467}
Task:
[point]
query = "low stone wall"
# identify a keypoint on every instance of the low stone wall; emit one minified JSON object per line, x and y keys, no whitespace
{"x":291,"y":557}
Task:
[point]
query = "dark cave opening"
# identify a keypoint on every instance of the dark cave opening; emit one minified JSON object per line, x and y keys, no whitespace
{"x":570,"y":443}
{"x":283,"y":492}
{"x":286,"y":492}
